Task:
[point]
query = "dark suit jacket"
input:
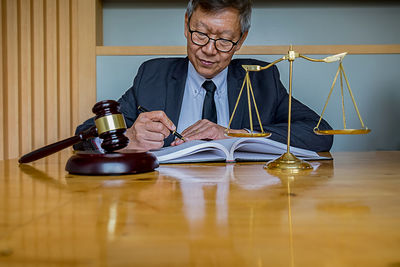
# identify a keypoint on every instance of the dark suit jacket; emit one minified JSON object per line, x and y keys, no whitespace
{"x":160,"y":84}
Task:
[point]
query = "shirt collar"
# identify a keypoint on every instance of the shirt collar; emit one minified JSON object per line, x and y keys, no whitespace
{"x":198,"y":80}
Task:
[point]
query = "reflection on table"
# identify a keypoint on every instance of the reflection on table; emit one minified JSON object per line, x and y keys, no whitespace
{"x":342,"y":213}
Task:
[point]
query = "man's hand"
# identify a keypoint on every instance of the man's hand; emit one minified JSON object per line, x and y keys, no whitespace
{"x":203,"y":129}
{"x":149,"y":131}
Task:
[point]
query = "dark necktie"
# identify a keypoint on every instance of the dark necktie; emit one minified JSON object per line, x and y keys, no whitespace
{"x":209,"y":110}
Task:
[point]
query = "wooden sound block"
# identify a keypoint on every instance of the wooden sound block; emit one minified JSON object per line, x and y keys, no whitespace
{"x":113,"y":163}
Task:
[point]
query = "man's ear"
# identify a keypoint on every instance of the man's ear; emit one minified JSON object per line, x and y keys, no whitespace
{"x":239,"y":45}
{"x":186,"y":25}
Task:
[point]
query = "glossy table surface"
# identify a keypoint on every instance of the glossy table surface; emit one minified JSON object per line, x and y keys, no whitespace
{"x":345,"y":212}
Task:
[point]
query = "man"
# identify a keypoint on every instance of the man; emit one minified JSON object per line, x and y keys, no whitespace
{"x":198,"y":93}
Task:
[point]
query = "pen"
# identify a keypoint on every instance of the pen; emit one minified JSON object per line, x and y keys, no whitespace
{"x":143,"y":109}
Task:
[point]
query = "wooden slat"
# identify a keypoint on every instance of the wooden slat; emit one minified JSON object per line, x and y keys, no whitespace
{"x":99,"y":22}
{"x":25,"y":76}
{"x":86,"y":14}
{"x":252,"y":50}
{"x":2,"y":83}
{"x":64,"y":69}
{"x":11,"y":144}
{"x":38,"y":116}
{"x":51,"y":81}
{"x":74,"y":63}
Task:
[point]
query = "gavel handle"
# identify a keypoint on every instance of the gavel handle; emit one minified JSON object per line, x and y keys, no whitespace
{"x":55,"y":147}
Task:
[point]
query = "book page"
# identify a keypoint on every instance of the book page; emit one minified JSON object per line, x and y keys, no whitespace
{"x":259,"y":149}
{"x":195,"y":151}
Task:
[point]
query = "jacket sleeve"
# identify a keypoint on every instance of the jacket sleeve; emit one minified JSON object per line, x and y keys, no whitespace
{"x":303,"y":121}
{"x":128,"y":101}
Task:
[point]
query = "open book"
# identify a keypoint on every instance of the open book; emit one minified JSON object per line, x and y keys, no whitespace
{"x":230,"y":150}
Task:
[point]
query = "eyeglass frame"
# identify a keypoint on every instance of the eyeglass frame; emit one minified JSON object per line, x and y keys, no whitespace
{"x":215,"y":40}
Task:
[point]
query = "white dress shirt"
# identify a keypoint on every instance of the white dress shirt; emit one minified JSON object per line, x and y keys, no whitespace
{"x":193,"y":98}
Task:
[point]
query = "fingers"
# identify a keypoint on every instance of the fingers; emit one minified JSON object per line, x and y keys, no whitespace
{"x":153,"y":125}
{"x":149,"y":131}
{"x":158,"y":116}
{"x":203,"y":129}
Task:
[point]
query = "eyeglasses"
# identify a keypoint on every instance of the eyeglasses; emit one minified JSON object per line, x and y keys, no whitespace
{"x":221,"y":44}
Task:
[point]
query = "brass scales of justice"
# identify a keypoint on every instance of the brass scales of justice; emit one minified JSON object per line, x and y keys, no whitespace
{"x":288,"y":161}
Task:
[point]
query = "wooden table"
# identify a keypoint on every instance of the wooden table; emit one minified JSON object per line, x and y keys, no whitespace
{"x":345,"y":212}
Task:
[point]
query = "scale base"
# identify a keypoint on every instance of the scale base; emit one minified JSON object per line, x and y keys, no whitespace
{"x":289,"y":162}
{"x":115,"y":163}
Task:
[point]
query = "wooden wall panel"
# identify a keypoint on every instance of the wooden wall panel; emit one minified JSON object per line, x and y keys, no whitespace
{"x":47,"y":71}
{"x":252,"y":50}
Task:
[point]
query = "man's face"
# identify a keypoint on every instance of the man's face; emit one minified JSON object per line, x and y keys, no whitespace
{"x":207,"y":60}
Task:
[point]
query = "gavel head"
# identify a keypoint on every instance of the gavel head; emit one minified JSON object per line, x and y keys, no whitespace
{"x":110,"y":124}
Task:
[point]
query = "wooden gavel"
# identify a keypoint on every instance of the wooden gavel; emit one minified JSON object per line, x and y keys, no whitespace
{"x":110,"y":126}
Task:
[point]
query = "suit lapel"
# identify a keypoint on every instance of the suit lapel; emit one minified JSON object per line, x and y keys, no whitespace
{"x":235,"y":80}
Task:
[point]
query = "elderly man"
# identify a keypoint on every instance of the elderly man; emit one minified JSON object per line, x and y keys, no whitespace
{"x":196,"y":95}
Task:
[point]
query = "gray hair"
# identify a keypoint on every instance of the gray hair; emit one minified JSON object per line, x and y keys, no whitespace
{"x":243,"y":6}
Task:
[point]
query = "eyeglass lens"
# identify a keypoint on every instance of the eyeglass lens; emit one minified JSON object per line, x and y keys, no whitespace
{"x":220,"y":44}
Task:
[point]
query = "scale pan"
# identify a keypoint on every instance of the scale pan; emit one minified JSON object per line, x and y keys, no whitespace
{"x":342,"y":131}
{"x":248,"y":134}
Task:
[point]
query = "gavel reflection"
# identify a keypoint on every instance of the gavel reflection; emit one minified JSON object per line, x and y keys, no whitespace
{"x":110,"y":126}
